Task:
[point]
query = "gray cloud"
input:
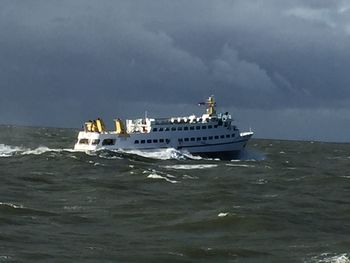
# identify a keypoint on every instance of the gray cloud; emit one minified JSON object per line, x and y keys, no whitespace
{"x":64,"y":61}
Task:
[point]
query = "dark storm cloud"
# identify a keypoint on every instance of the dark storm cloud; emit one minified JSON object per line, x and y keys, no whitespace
{"x":64,"y":61}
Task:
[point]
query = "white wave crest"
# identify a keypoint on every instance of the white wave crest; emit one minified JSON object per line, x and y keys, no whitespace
{"x":39,"y":150}
{"x":190,"y":166}
{"x":11,"y":205}
{"x":241,"y":165}
{"x":157,"y":176}
{"x":329,"y":258}
{"x":8,"y":150}
{"x":223,"y":214}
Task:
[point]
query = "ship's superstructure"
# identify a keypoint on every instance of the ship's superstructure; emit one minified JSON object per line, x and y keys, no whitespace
{"x":209,"y":134}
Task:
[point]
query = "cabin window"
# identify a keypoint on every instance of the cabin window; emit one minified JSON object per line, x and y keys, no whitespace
{"x":191,"y":128}
{"x":198,"y":127}
{"x":198,"y":138}
{"x":222,"y":136}
{"x":207,"y":119}
{"x":149,"y":141}
{"x":143,"y":141}
{"x":83,"y":141}
{"x":216,"y":137}
{"x":154,"y":129}
{"x":210,"y":137}
{"x":108,"y":142}
{"x":155,"y":141}
{"x":193,"y":139}
{"x":204,"y":138}
{"x":210,"y":126}
{"x":186,"y":139}
{"x":185,"y":128}
{"x":204,"y":127}
{"x":220,"y":123}
{"x":161,"y":140}
{"x":167,"y":129}
{"x":215,"y":126}
{"x":180,"y":140}
{"x":160,"y":129}
{"x":228,"y":136}
{"x":173,"y":129}
{"x":136,"y":142}
{"x":179,"y":128}
{"x":167,"y":140}
{"x":95,"y":142}
{"x":233,"y":135}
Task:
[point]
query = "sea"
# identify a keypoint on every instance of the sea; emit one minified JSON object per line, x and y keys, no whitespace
{"x":281,"y":201}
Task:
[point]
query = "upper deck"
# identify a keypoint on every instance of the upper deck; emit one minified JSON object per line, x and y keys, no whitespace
{"x":147,"y":125}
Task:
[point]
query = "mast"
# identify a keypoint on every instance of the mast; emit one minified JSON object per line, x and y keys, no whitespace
{"x":211,"y":106}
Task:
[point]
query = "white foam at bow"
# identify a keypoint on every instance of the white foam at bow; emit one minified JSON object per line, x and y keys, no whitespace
{"x":163,"y":154}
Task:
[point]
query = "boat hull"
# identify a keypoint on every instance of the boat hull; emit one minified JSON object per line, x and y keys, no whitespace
{"x":214,"y":148}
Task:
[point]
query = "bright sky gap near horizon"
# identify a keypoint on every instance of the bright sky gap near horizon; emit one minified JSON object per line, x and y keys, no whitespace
{"x":279,"y":67}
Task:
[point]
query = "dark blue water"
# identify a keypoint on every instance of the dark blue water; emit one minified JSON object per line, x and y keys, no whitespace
{"x":284,"y":201}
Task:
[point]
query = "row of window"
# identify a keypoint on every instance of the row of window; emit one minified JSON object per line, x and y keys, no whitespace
{"x":216,"y":137}
{"x":152,"y":141}
{"x":186,"y":128}
{"x":192,"y":139}
{"x":97,"y":141}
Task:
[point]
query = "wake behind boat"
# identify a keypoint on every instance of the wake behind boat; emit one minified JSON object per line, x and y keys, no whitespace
{"x":211,"y":134}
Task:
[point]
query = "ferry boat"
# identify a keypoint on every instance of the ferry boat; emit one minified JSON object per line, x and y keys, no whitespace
{"x":212,"y":134}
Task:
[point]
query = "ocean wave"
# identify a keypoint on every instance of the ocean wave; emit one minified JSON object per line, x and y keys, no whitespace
{"x":10,"y":205}
{"x":241,"y":165}
{"x":163,"y":154}
{"x":251,"y":155}
{"x":157,"y":176}
{"x":222,"y":214}
{"x":190,"y":166}
{"x":331,"y":258}
{"x":9,"y":150}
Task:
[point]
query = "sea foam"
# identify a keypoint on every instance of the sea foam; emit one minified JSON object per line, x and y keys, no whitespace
{"x":190,"y":166}
{"x":329,"y":258}
{"x":163,"y":154}
{"x":157,"y":176}
{"x":9,"y":150}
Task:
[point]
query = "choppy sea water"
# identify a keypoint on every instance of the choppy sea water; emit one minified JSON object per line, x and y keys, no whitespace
{"x":283,"y":201}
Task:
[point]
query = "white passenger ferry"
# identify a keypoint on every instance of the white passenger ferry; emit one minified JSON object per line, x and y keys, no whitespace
{"x":211,"y":134}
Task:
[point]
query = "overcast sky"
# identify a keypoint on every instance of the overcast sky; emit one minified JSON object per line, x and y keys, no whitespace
{"x":281,"y":67}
